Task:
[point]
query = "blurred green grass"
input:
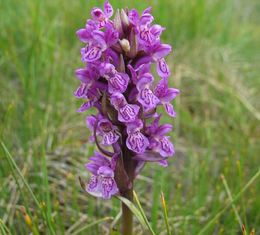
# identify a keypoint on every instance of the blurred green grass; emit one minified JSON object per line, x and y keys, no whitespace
{"x":216,"y":67}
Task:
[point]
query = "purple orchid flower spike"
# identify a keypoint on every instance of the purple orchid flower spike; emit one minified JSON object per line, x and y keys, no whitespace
{"x":119,"y":56}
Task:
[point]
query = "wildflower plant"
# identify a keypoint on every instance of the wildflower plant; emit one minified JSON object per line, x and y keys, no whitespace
{"x":117,"y":81}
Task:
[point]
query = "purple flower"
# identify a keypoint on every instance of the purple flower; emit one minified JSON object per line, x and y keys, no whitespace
{"x":136,"y":141}
{"x":104,"y":128}
{"x":126,"y":112}
{"x":119,"y":56}
{"x":102,"y":17}
{"x":102,"y":182}
{"x":165,"y":95}
{"x":145,"y":96}
{"x":158,"y":141}
{"x":117,"y":82}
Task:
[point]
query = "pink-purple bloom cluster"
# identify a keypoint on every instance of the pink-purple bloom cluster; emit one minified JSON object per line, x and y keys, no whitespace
{"x":117,"y":81}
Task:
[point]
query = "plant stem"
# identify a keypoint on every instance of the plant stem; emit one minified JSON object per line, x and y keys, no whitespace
{"x":127,"y":215}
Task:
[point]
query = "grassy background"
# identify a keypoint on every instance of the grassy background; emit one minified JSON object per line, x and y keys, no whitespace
{"x":216,"y":67}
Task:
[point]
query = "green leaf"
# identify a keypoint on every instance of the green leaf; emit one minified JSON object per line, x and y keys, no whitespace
{"x":134,"y":210}
{"x":143,"y":214}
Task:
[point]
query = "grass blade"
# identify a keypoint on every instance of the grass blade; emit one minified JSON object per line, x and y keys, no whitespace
{"x":143,"y":214}
{"x":4,"y":229}
{"x":15,"y":170}
{"x":231,"y":199}
{"x":91,"y":225}
{"x":251,"y":181}
{"x":165,"y":214}
{"x":116,"y":219}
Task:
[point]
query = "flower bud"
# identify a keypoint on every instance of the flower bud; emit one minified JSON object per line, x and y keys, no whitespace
{"x":133,"y":44}
{"x":124,"y":18}
{"x":124,"y":43}
{"x":118,"y":23}
{"x":121,"y":66}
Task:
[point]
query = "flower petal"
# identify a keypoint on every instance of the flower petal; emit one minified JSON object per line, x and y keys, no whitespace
{"x":169,"y":109}
{"x":161,"y":50}
{"x":163,"y":69}
{"x":85,"y":106}
{"x":118,"y":83}
{"x":118,"y":100}
{"x":109,"y":138}
{"x":97,"y":14}
{"x":108,"y":9}
{"x":84,"y":35}
{"x":108,"y":187}
{"x":91,"y":122}
{"x":146,"y":19}
{"x":170,"y":94}
{"x":128,"y":113}
{"x":165,"y":147}
{"x":144,"y":80}
{"x":137,"y":142}
{"x":83,"y":75}
{"x":91,"y":53}
{"x":81,"y":92}
{"x":147,"y":99}
{"x":133,"y":16}
{"x":93,"y":187}
{"x":157,"y":30}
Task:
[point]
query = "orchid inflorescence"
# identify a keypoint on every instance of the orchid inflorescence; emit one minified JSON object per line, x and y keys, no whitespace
{"x":117,"y":81}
